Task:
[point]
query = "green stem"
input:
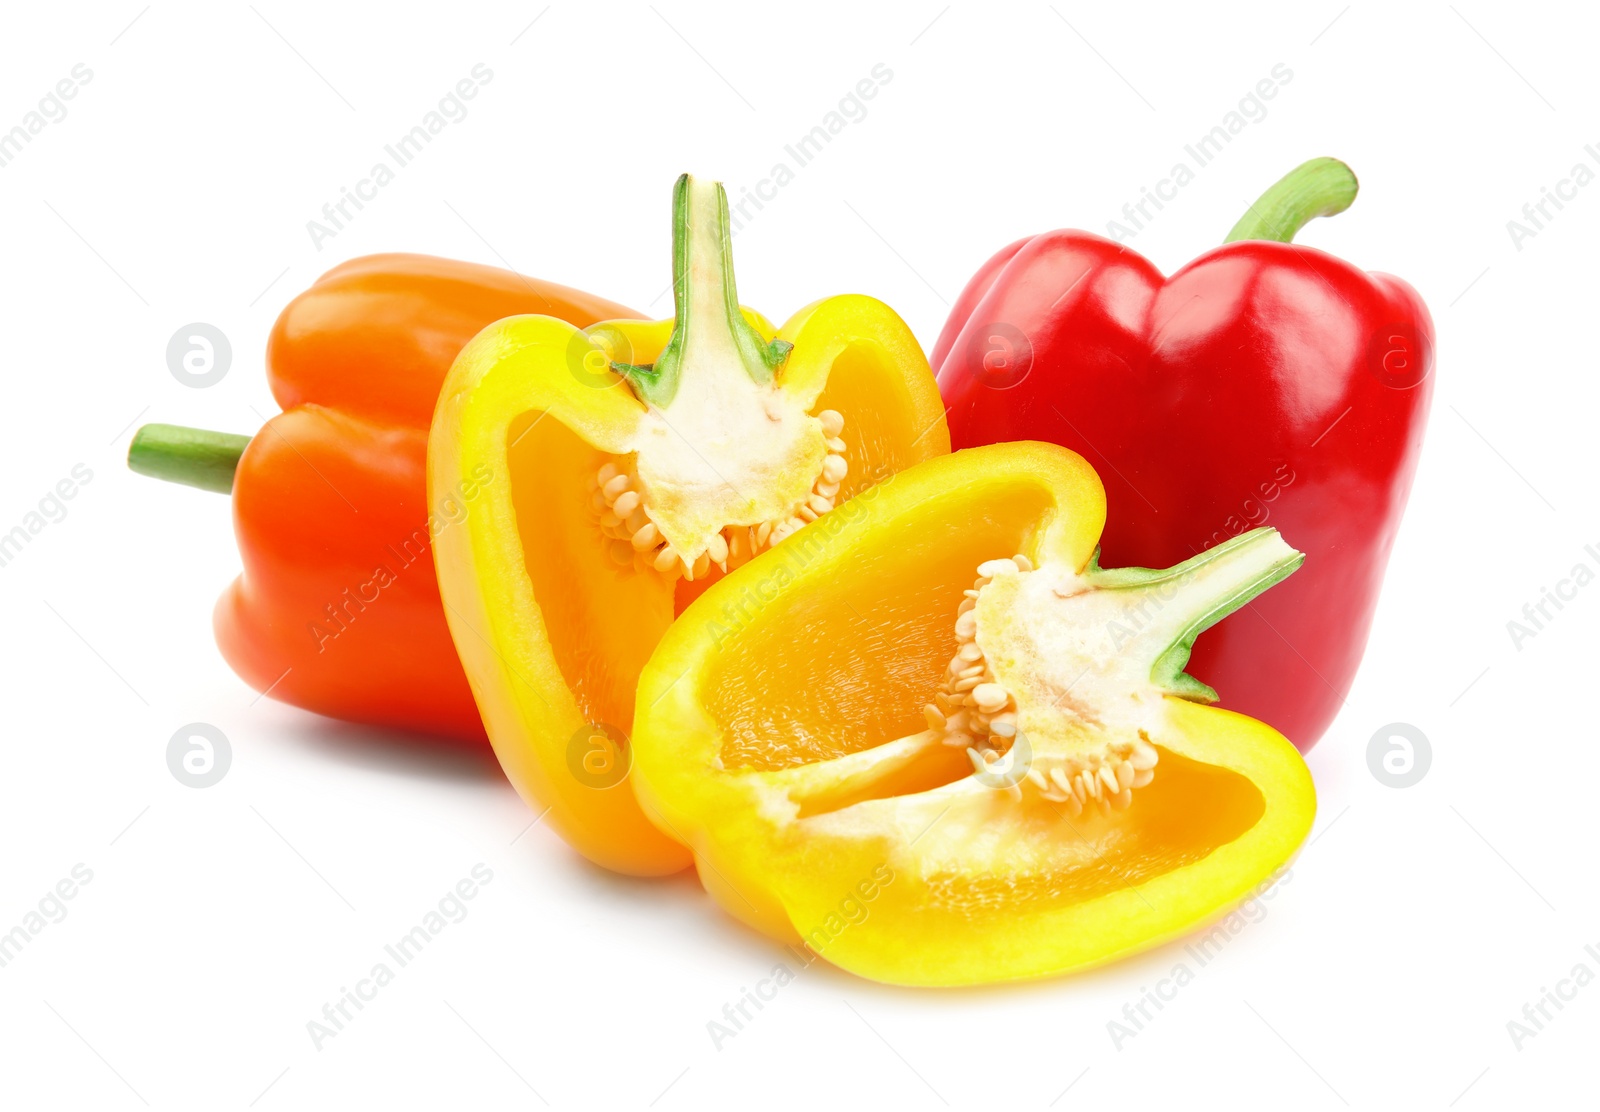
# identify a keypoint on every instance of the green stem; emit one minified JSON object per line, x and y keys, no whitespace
{"x":1185,"y":600}
{"x":1321,"y":187}
{"x":194,"y":457}
{"x":708,"y":325}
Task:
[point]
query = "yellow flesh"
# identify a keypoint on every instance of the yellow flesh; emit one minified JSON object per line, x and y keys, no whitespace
{"x":910,"y":781}
{"x":820,"y":676}
{"x":603,"y":626}
{"x":602,"y":623}
{"x":878,"y":441}
{"x":785,"y":741}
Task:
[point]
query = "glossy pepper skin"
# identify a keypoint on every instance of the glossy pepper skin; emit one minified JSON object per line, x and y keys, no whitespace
{"x":553,"y":618}
{"x":792,"y":754}
{"x":1264,"y":382}
{"x":337,"y":609}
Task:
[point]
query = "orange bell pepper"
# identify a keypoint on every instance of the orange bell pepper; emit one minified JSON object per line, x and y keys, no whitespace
{"x":338,"y":609}
{"x":936,"y":780}
{"x":622,"y":469}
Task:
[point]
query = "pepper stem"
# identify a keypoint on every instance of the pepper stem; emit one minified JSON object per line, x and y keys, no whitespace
{"x":1321,"y":187}
{"x":708,"y":326}
{"x":1181,"y":602}
{"x":194,"y":457}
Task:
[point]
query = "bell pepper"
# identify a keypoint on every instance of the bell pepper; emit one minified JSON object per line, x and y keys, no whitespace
{"x":337,"y":609}
{"x":627,"y":466}
{"x":1264,"y":382}
{"x":942,"y":746}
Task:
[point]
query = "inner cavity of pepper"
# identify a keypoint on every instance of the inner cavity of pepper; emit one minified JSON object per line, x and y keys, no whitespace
{"x":1058,"y":685}
{"x":632,"y":528}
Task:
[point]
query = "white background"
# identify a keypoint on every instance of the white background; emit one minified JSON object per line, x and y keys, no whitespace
{"x":1417,"y":923}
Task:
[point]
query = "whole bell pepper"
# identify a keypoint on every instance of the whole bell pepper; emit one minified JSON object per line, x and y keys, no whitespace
{"x":623,"y":469}
{"x":337,"y":609}
{"x":943,"y":746}
{"x":1264,"y":382}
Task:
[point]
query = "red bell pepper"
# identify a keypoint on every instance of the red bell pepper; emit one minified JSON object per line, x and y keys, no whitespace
{"x":1264,"y":381}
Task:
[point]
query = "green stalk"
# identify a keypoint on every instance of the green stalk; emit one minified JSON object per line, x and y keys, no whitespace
{"x":1321,"y":187}
{"x":194,"y":457}
{"x":1185,"y":600}
{"x":708,"y":325}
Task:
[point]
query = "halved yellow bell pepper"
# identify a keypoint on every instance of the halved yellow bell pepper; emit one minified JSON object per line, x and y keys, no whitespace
{"x":938,"y":744}
{"x":606,"y":476}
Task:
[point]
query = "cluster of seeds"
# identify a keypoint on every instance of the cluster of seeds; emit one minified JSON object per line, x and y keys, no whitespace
{"x":971,"y":708}
{"x":975,"y":712}
{"x":632,"y":538}
{"x":1107,"y":780}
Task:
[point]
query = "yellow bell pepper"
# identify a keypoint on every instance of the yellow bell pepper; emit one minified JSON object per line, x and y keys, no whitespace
{"x":601,"y":478}
{"x":935,"y":742}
